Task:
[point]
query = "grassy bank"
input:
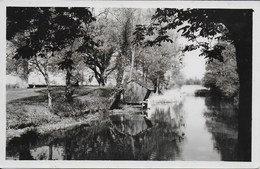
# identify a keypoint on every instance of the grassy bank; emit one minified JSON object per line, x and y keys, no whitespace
{"x":27,"y":109}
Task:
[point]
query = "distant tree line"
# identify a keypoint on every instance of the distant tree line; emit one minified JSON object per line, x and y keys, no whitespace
{"x":193,"y":81}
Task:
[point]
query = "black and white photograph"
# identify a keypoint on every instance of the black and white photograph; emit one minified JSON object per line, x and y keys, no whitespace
{"x":132,"y":84}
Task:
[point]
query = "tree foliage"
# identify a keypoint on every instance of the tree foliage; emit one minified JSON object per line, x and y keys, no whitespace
{"x":222,"y":76}
{"x":194,"y":24}
{"x":48,"y":30}
{"x":160,"y":64}
{"x":98,"y":61}
{"x":106,"y":45}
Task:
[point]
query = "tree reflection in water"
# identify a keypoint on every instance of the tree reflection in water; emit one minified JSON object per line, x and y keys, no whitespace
{"x":125,"y":139}
{"x":162,"y":142}
{"x":80,"y":143}
{"x":222,"y":122}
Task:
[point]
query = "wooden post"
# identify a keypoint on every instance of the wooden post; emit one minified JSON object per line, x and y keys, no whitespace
{"x":115,"y":99}
{"x":147,"y":94}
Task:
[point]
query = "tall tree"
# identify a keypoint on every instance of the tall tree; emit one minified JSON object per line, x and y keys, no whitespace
{"x":122,"y":27}
{"x":99,"y":60}
{"x":126,"y":47}
{"x":234,"y":25}
{"x":72,"y":24}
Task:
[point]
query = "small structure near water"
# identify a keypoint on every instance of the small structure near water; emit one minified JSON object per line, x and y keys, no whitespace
{"x":134,"y":92}
{"x":137,"y":92}
{"x":138,"y":89}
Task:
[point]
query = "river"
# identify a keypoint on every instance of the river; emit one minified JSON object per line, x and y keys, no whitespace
{"x":184,"y":127}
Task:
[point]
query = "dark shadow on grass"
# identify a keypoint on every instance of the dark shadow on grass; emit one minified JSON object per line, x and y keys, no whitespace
{"x":31,"y":99}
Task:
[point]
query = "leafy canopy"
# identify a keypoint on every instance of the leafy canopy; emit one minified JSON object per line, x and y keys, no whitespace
{"x":193,"y":24}
{"x":48,"y":29}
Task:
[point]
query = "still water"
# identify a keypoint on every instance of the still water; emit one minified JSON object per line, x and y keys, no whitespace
{"x":183,"y":127}
{"x":199,"y":144}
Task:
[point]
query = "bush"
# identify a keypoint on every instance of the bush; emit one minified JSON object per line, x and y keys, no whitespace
{"x":21,"y":116}
{"x":202,"y":93}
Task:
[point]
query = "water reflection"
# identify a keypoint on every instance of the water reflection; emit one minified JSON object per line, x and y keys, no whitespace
{"x":125,"y":138}
{"x":162,"y":142}
{"x":193,"y":128}
{"x":222,"y":122}
{"x":198,"y":144}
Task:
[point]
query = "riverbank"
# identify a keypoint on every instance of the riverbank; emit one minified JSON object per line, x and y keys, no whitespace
{"x":26,"y":109}
{"x":175,"y":95}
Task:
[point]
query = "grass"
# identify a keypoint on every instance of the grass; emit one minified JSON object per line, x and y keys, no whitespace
{"x":27,"y":108}
{"x":17,"y":93}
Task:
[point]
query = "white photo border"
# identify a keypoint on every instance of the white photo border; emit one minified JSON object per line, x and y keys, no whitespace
{"x":255,"y":5}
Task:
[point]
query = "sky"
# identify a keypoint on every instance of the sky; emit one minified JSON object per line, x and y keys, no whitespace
{"x":194,"y":66}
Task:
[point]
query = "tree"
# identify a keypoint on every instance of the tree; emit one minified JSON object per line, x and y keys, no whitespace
{"x":49,"y":30}
{"x":31,"y":31}
{"x":72,"y":24}
{"x":126,"y":48}
{"x":161,"y":63}
{"x":153,"y":63}
{"x":234,"y":25}
{"x":99,"y":59}
{"x":222,"y":77}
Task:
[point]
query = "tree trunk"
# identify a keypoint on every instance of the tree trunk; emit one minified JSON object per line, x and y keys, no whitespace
{"x":120,"y":70}
{"x":115,"y":99}
{"x":244,"y":64}
{"x":49,"y":97}
{"x":241,"y":33}
{"x":50,"y":152}
{"x":82,"y":77}
{"x":132,"y":64}
{"x":239,"y":24}
{"x":102,"y":81}
{"x":157,"y":84}
{"x":46,"y":77}
{"x":100,"y":78}
{"x":68,"y":88}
